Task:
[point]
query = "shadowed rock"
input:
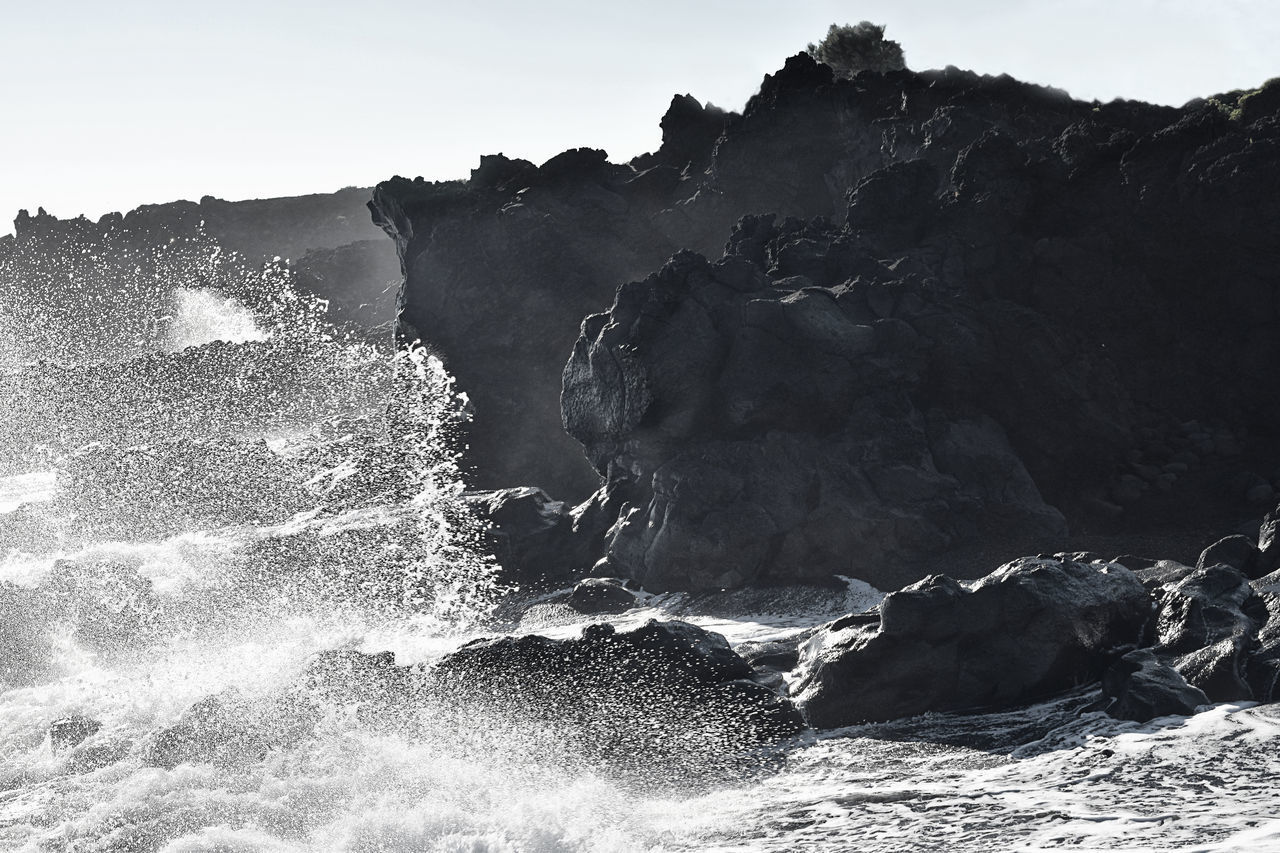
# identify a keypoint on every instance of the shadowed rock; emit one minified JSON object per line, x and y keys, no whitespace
{"x":1142,"y":687}
{"x":1206,"y":627}
{"x":1029,"y":630}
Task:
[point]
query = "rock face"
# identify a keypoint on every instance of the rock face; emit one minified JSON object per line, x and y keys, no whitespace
{"x":1263,"y":667}
{"x":1029,"y":630}
{"x":499,"y":272}
{"x":767,"y":432}
{"x":537,"y":541}
{"x":949,"y":309}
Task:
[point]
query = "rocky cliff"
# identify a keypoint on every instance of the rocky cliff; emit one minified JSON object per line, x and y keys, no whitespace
{"x":949,"y":308}
{"x":99,"y":289}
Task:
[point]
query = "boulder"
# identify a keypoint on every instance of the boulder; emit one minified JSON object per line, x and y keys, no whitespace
{"x":1269,"y":543}
{"x":68,"y":732}
{"x":1236,"y":551}
{"x":595,"y":596}
{"x":664,"y":695}
{"x":1141,"y":687}
{"x":1031,"y":629}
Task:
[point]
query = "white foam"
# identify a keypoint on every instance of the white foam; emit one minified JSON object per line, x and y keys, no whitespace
{"x":19,"y":489}
{"x":202,"y":316}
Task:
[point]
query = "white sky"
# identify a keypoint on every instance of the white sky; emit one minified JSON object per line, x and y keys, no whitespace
{"x":108,"y":104}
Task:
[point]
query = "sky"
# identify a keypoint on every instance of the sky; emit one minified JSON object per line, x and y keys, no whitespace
{"x":108,"y":105}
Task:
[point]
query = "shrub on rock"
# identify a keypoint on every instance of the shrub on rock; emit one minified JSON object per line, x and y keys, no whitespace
{"x":851,"y":49}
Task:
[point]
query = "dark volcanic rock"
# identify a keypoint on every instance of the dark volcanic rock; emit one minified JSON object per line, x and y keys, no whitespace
{"x":360,"y":281}
{"x":1269,"y":543}
{"x":769,"y":434}
{"x":1238,"y":552}
{"x":67,"y":732}
{"x":92,"y":290}
{"x":640,"y":699}
{"x":1029,"y":630}
{"x":664,"y":700}
{"x":498,"y":279}
{"x":1263,"y":666}
{"x":592,"y":596}
{"x":537,"y":541}
{"x":1142,"y":687}
{"x":1207,"y":626}
{"x":949,"y":311}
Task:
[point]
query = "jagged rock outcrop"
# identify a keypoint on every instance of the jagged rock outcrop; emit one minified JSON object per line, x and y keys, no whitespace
{"x":499,"y":272}
{"x":1263,"y":666}
{"x":360,"y":282}
{"x":259,"y":229}
{"x":957,"y":307}
{"x":1028,"y":630}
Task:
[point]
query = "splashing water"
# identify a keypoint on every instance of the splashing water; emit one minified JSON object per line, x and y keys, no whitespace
{"x":203,"y":484}
{"x":202,"y":316}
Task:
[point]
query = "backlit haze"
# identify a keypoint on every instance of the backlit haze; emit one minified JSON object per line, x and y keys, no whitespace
{"x":112,"y":105}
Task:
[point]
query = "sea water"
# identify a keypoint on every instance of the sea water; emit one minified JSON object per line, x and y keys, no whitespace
{"x":232,"y":486}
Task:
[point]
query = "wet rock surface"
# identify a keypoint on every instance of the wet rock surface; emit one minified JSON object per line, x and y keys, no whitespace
{"x":1141,"y":687}
{"x":1031,"y":629}
{"x":1207,"y":626}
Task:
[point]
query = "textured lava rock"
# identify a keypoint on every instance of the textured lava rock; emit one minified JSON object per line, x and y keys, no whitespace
{"x":1207,"y":626}
{"x":1236,"y":551}
{"x":1142,"y":687}
{"x":1263,"y":666}
{"x":1028,"y":630}
{"x":758,"y":433}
